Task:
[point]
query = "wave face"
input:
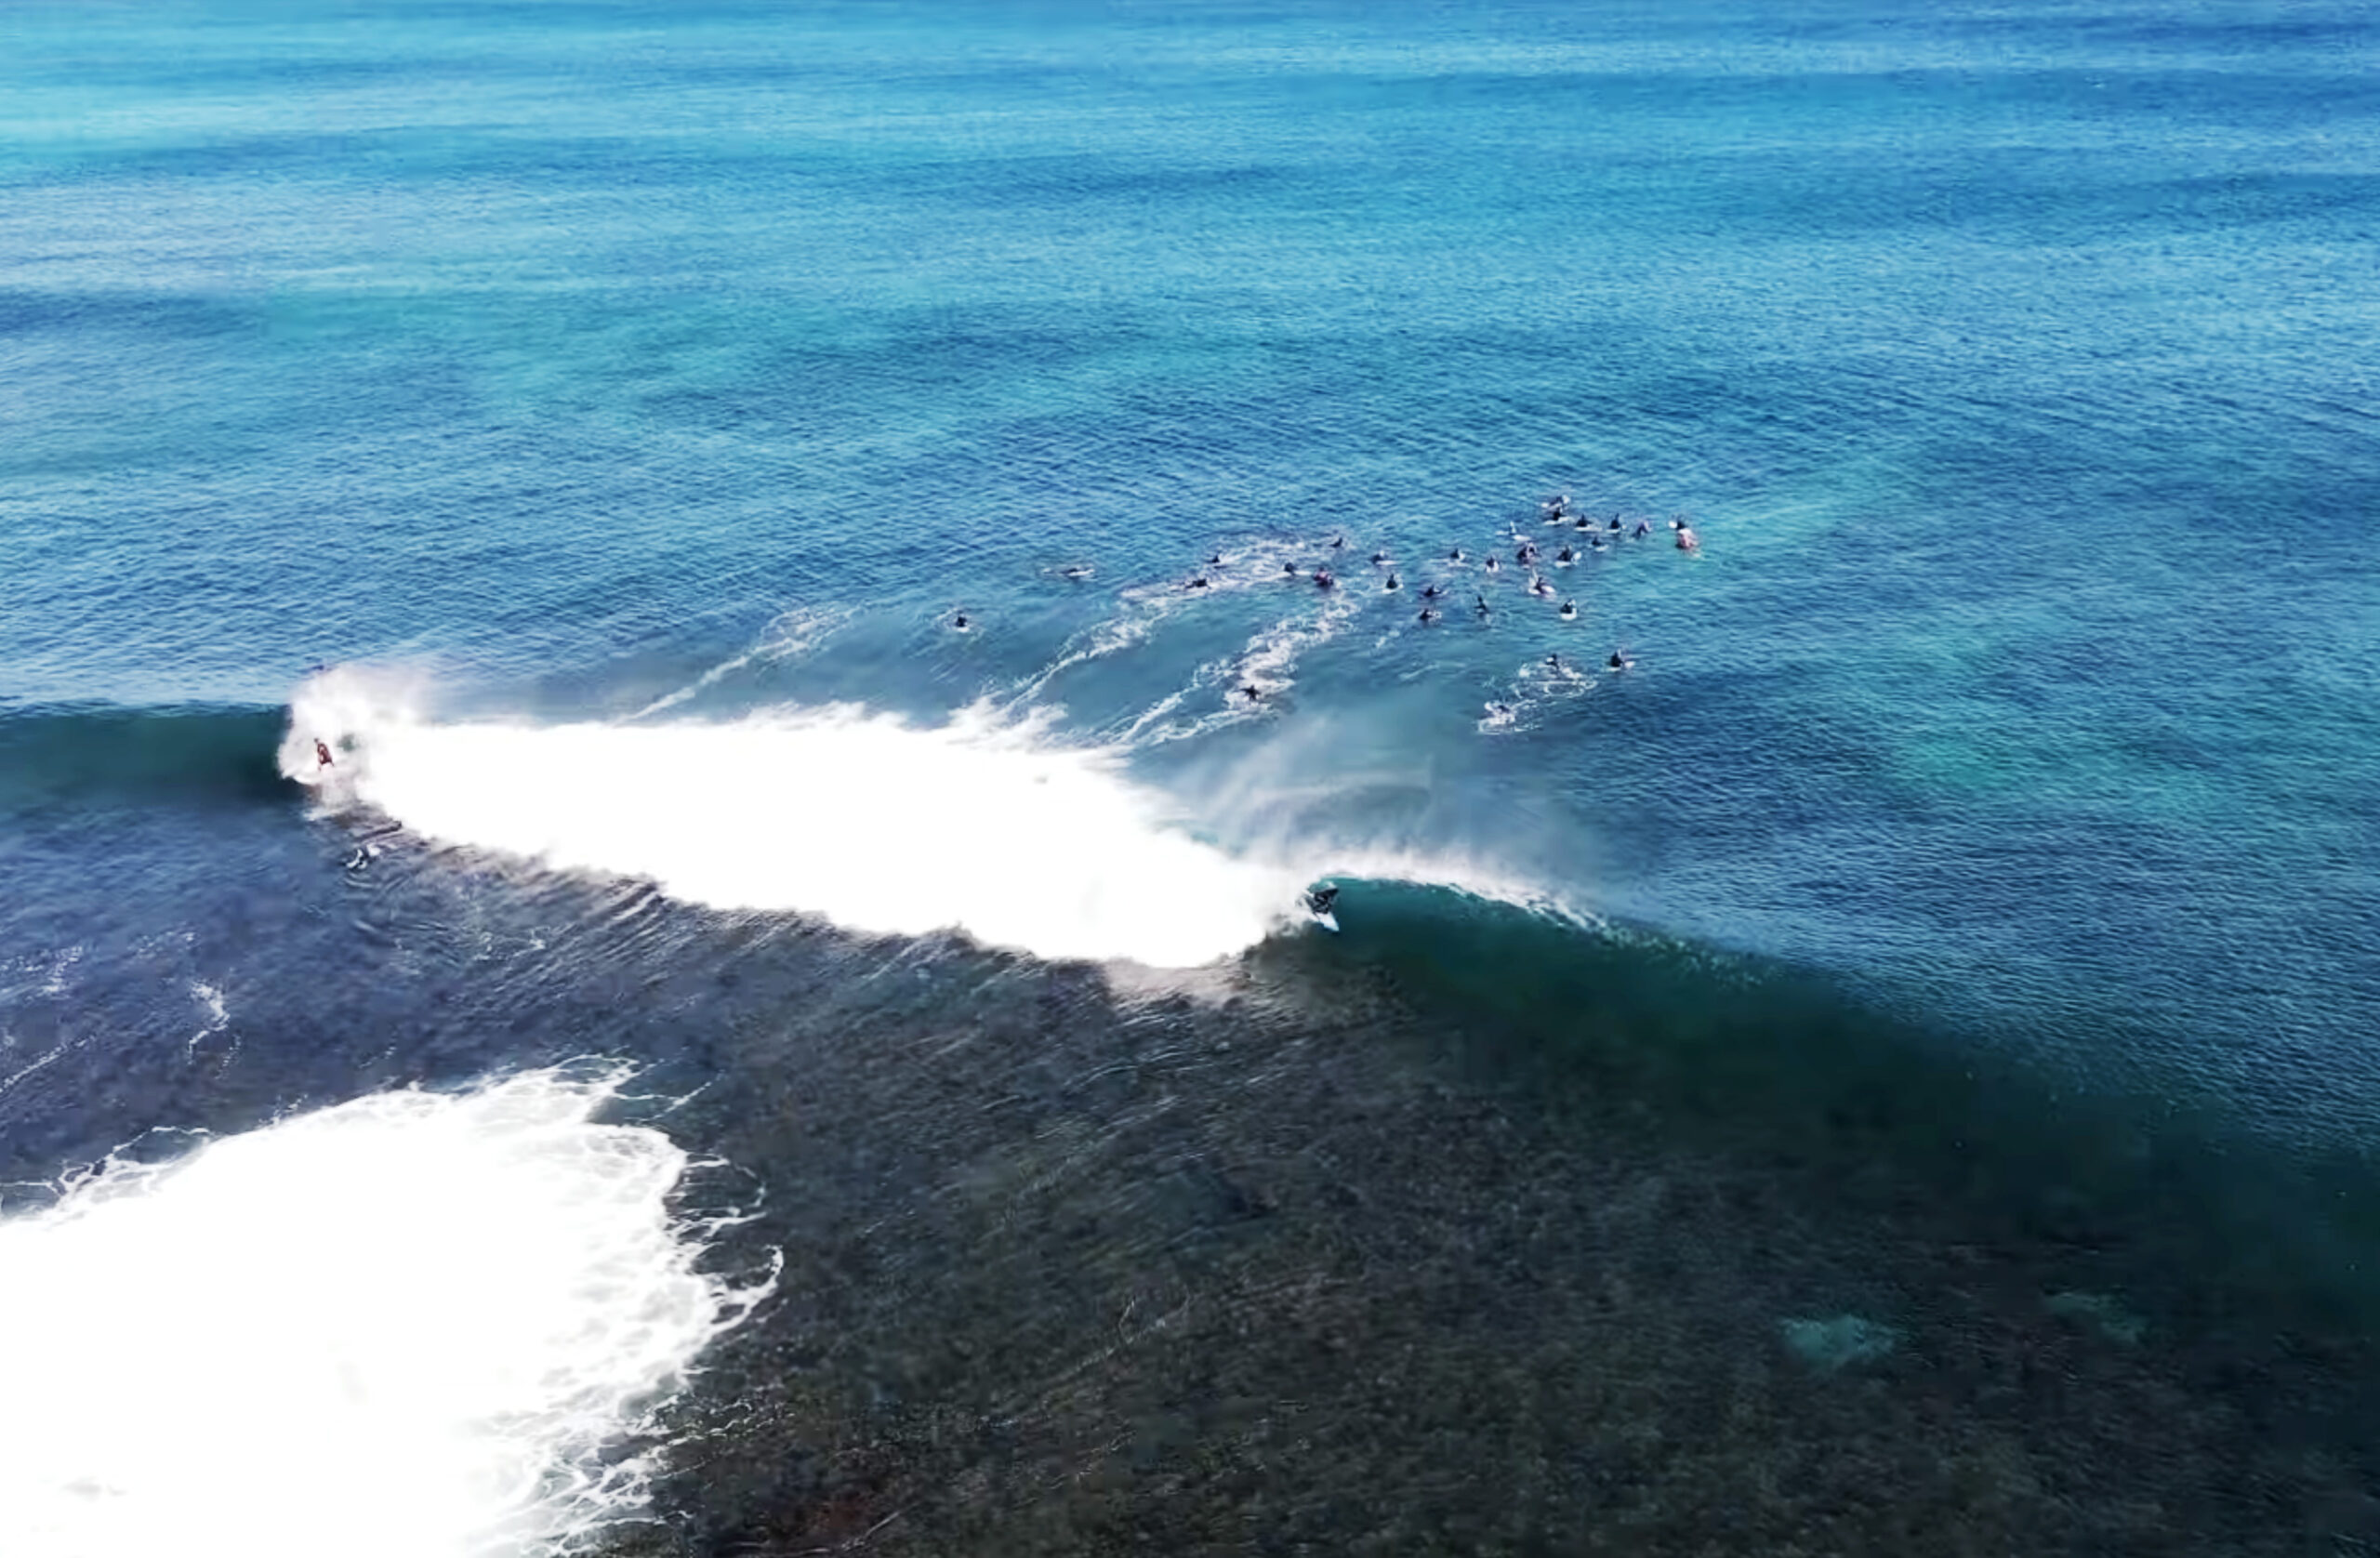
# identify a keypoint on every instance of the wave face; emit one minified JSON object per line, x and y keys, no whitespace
{"x":408,"y":1326}
{"x":875,"y":824}
{"x":86,"y":753}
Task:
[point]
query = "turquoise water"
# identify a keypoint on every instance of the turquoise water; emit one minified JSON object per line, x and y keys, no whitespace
{"x":561,"y":408}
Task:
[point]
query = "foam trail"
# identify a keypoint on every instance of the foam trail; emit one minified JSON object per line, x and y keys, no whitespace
{"x":408,"y":1326}
{"x":877,"y":825}
{"x":1108,"y":638}
{"x":218,"y":1016}
{"x":791,"y":633}
{"x":46,"y":1058}
{"x":1267,"y":662}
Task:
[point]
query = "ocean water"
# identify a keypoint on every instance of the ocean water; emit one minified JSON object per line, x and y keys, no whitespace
{"x":725,"y":1060}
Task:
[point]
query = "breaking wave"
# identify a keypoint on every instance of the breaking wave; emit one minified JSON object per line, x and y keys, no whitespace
{"x":414,"y":1325}
{"x":984,"y":825}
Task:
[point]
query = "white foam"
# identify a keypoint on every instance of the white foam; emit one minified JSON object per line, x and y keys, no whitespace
{"x":403,"y":1327}
{"x":1267,"y":663}
{"x":218,"y":1016}
{"x":1105,"y":639}
{"x":11,"y":1077}
{"x":989,"y":826}
{"x":789,"y":635}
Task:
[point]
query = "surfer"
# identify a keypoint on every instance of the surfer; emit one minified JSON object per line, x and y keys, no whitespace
{"x":1075,"y":571}
{"x":1566,"y":557}
{"x":1644,"y":528}
{"x":1322,"y":577}
{"x":1687,"y":540}
{"x":1455,"y":556}
{"x":1494,"y":566}
{"x":1337,"y":542}
{"x":1483,"y":602}
{"x":1198,"y":583}
{"x":322,"y":754}
{"x":1614,"y":524}
{"x":1536,"y":585}
{"x":1289,"y":568}
{"x":1431,"y":592}
{"x":1322,"y":900}
{"x":1429,"y":615}
{"x":1379,"y":558}
{"x":1393,"y":583}
{"x":1570,"y":610}
{"x":1252,"y":693}
{"x":1618,"y":662}
{"x":1216,"y":560}
{"x":960,"y":622}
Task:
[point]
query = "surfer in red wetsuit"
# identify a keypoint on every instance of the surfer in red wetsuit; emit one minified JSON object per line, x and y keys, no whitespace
{"x":322,"y":754}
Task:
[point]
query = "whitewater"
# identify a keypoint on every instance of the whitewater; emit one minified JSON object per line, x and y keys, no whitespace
{"x":983,"y":824}
{"x":412,"y":1325}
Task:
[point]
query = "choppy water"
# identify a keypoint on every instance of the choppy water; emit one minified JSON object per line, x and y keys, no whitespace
{"x":1894,"y":1060}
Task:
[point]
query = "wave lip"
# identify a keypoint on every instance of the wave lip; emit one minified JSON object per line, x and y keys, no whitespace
{"x":877,"y":825}
{"x":408,"y":1326}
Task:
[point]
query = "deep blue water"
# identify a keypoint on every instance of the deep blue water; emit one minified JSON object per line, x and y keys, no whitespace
{"x":1975,"y":873}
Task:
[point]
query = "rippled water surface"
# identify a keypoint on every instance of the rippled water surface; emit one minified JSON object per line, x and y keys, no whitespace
{"x":1884,"y":1067}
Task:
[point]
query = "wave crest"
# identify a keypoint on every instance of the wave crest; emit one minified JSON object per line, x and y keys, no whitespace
{"x":986,"y":825}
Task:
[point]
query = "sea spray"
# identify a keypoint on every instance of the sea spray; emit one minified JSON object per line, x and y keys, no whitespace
{"x":412,"y":1325}
{"x":986,"y":824}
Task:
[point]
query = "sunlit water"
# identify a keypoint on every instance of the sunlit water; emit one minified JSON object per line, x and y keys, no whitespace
{"x":1937,"y":960}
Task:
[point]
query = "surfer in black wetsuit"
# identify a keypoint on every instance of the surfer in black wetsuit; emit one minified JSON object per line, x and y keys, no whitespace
{"x":322,"y":754}
{"x":960,"y":622}
{"x":1644,"y":528}
{"x":1322,"y":899}
{"x":1251,"y":693}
